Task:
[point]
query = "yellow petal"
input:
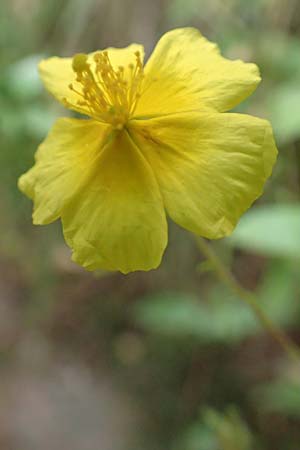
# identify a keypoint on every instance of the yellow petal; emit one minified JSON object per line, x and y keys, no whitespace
{"x":57,"y":73}
{"x":63,"y":161}
{"x":186,"y":72}
{"x":210,"y":167}
{"x":117,"y":220}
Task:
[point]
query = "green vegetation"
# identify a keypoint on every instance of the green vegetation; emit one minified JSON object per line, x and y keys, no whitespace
{"x":199,"y":371}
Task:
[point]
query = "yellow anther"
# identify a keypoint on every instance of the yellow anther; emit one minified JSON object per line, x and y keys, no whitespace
{"x":79,"y":63}
{"x":104,"y":91}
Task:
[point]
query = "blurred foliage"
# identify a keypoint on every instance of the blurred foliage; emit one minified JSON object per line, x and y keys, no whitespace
{"x":217,"y":431}
{"x":18,"y":91}
{"x":261,"y":231}
{"x":281,"y":396}
{"x":174,"y":339}
{"x":220,"y":317}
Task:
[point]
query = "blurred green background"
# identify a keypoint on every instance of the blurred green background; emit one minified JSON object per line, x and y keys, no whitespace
{"x":166,"y":360}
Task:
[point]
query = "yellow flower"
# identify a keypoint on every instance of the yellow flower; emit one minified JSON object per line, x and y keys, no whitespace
{"x":158,"y":141}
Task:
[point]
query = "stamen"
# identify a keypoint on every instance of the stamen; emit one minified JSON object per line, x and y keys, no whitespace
{"x":106,"y":93}
{"x":79,"y":62}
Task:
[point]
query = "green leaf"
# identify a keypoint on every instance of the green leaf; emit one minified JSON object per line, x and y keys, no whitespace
{"x":231,"y":431}
{"x":172,"y":313}
{"x":197,"y":437}
{"x":222,"y":319}
{"x":281,"y":396}
{"x":284,"y":107}
{"x":271,"y":230}
{"x":22,"y":78}
{"x":217,"y":431}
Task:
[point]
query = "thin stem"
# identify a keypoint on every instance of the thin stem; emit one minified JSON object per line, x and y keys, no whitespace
{"x":250,"y":299}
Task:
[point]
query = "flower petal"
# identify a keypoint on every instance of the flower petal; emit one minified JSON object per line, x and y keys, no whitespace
{"x":186,"y":72}
{"x":63,"y":161}
{"x":117,"y":220}
{"x":57,"y":73}
{"x":210,"y":167}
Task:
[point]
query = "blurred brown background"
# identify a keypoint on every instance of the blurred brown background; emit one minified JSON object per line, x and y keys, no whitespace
{"x":161,"y":360}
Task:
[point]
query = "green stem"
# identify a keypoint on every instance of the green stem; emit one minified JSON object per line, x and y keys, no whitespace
{"x":250,"y":299}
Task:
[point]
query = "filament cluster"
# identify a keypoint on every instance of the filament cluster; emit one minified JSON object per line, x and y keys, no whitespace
{"x":104,"y":92}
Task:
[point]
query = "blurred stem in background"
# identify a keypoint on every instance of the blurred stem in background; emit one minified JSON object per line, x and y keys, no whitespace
{"x":226,"y":277}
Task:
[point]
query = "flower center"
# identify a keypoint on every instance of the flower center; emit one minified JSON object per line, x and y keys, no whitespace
{"x":106,"y":93}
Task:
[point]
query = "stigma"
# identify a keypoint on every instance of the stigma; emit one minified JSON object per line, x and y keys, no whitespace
{"x":106,"y":93}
